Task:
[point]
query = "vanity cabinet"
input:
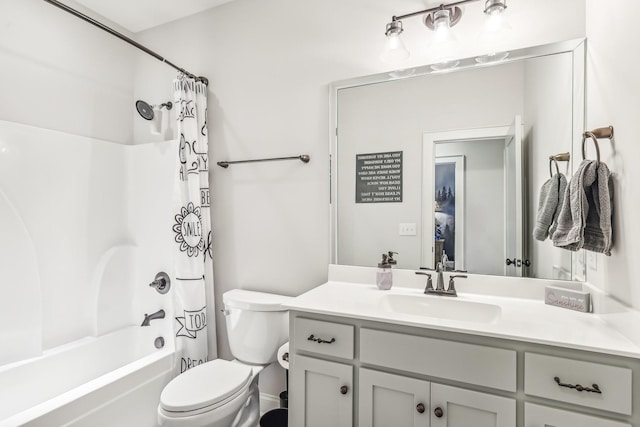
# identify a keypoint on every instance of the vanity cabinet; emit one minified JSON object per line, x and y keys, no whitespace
{"x":399,"y":401}
{"x":393,"y":400}
{"x":323,"y":393}
{"x":365,"y":373}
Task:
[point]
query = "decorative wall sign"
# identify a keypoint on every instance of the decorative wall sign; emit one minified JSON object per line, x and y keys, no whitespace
{"x":379,"y":177}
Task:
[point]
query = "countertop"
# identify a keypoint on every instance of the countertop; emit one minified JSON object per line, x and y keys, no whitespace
{"x":526,"y":318}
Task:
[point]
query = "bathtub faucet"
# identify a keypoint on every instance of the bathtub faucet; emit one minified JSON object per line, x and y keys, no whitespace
{"x":149,"y":317}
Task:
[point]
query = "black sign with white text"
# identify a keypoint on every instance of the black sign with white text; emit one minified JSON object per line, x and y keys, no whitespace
{"x":379,"y":177}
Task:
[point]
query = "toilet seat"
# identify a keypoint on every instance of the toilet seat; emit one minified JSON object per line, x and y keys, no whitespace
{"x":205,"y":388}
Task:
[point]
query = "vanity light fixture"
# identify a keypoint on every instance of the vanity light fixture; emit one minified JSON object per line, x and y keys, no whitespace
{"x":439,"y":19}
{"x":395,"y":50}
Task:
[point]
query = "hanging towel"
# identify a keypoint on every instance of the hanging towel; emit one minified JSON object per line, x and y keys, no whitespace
{"x":549,"y":206}
{"x":598,"y":230}
{"x":585,"y":218}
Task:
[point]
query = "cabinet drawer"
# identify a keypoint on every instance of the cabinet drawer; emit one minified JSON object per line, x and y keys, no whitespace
{"x":332,"y":339}
{"x":541,"y":416}
{"x":469,"y":363}
{"x":614,"y":382}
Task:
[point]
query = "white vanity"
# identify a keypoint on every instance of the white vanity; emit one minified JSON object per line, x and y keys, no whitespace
{"x":496,"y":355}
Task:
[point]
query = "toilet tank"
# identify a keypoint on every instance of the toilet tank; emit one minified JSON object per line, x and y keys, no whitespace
{"x":257,"y":325}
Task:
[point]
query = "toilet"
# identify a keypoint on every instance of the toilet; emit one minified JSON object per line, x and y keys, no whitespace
{"x":212,"y":394}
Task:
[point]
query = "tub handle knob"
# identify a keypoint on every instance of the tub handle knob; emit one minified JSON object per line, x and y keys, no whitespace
{"x":162,"y":283}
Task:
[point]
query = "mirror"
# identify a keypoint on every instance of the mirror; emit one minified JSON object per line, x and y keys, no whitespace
{"x":447,"y":166}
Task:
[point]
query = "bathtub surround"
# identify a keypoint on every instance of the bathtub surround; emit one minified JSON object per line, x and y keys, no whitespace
{"x":88,"y":221}
{"x":192,"y":227}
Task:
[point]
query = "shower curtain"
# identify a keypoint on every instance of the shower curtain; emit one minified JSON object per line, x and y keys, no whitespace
{"x":192,"y":226}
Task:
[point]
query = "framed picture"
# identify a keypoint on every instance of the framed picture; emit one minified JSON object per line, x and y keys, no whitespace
{"x":448,"y":209}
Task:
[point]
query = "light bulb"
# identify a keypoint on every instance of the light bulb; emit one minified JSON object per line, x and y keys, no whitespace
{"x":443,"y":44}
{"x":496,"y":32}
{"x":442,"y":26}
{"x":394,"y":49}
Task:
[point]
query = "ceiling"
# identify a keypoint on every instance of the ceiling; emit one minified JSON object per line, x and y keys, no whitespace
{"x":140,"y":15}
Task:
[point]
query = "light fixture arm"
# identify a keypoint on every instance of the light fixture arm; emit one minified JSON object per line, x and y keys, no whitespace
{"x":430,"y":10}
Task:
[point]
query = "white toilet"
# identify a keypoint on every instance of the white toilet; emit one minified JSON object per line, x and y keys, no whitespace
{"x":213,"y":393}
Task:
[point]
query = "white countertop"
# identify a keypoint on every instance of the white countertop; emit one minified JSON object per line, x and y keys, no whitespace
{"x":524,"y":315}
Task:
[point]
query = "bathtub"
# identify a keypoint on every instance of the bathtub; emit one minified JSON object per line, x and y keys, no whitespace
{"x":112,"y":380}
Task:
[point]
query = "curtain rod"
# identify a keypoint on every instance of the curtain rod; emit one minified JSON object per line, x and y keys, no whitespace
{"x":124,"y":38}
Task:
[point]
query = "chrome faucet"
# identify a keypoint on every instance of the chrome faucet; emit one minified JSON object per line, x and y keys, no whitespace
{"x":149,"y":317}
{"x":440,"y":290}
{"x":440,"y":278}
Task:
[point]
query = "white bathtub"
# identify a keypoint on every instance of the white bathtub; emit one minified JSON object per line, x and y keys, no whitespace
{"x":113,"y":380}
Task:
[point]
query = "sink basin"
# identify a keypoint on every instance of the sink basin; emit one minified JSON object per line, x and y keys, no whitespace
{"x":441,"y":308}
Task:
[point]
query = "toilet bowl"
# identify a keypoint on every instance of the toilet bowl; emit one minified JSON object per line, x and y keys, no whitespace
{"x":213,"y":394}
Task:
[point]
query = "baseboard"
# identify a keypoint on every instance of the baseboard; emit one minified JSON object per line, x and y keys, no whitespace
{"x":268,"y":402}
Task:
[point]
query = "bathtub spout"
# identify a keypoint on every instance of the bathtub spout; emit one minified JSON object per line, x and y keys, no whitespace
{"x":149,"y":317}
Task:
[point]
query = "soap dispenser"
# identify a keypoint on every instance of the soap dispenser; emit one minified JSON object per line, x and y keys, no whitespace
{"x":384,"y":276}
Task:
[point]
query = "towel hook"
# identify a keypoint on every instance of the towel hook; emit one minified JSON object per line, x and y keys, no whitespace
{"x":553,"y":160}
{"x":562,"y":157}
{"x":594,"y":135}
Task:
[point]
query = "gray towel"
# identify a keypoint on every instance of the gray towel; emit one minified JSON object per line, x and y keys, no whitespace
{"x":549,"y":206}
{"x":585,"y":218}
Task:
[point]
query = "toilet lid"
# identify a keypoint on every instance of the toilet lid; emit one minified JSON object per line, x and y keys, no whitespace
{"x":255,"y":301}
{"x":204,"y":385}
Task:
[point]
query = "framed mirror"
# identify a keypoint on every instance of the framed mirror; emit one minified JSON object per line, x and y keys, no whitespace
{"x":447,"y":165}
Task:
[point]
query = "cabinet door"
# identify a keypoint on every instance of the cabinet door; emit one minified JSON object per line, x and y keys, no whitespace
{"x":392,"y":400}
{"x":320,"y":393}
{"x":456,"y":407}
{"x":541,"y":416}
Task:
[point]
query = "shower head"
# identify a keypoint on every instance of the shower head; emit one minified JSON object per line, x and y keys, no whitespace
{"x":146,"y":111}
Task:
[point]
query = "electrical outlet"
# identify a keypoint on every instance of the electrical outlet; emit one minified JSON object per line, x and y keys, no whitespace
{"x":407,"y":229}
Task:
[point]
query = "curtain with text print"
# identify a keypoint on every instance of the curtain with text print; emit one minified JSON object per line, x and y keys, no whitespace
{"x":192,"y":226}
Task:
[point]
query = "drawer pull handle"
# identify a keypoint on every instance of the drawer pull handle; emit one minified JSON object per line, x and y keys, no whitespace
{"x":593,"y":389}
{"x":438,"y":412}
{"x":420,"y":408}
{"x":344,"y":389}
{"x":320,"y":340}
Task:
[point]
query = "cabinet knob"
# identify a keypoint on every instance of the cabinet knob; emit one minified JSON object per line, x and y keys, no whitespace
{"x":438,"y":412}
{"x":420,"y":408}
{"x":344,"y":389}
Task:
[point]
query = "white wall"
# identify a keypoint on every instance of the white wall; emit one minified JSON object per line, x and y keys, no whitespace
{"x":269,"y":64}
{"x":64,"y":74}
{"x":613,"y":86}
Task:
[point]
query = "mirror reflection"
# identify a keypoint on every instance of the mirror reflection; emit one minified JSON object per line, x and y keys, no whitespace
{"x":447,"y":167}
